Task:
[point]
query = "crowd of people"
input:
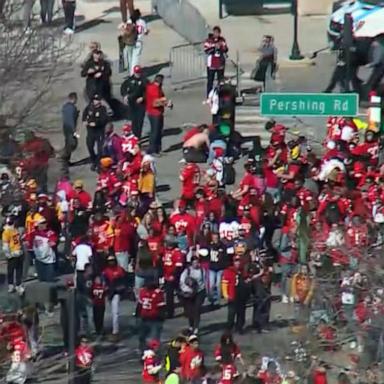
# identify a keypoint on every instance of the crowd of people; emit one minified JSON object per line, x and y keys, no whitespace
{"x":305,"y":225}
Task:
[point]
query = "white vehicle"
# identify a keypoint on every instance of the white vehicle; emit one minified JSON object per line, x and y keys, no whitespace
{"x":368,"y":21}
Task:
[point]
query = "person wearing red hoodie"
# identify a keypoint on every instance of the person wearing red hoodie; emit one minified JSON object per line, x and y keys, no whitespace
{"x":235,"y":291}
{"x":182,"y":220}
{"x":84,"y":358}
{"x":190,"y":180}
{"x":124,"y":238}
{"x":319,"y":376}
{"x":151,"y":363}
{"x":192,"y":361}
{"x":114,"y":277}
{"x":172,"y":262}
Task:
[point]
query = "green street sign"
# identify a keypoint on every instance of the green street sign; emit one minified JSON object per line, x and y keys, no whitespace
{"x":309,"y":104}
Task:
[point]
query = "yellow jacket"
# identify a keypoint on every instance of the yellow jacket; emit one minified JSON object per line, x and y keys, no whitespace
{"x":12,"y":246}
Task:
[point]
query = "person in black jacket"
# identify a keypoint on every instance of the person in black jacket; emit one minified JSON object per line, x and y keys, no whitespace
{"x":172,"y":356}
{"x":70,"y":115}
{"x":95,"y":118}
{"x":98,"y":73}
{"x":133,"y":92}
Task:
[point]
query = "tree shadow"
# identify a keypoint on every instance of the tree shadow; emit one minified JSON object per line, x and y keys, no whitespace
{"x":174,"y":147}
{"x":90,"y":24}
{"x":167,"y":132}
{"x":154,"y":69}
{"x":212,"y":328}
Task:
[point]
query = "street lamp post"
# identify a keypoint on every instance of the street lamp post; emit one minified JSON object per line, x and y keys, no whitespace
{"x":71,"y":311}
{"x":348,"y":46}
{"x":295,"y":52}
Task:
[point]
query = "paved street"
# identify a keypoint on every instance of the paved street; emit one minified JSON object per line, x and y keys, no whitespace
{"x":122,"y":365}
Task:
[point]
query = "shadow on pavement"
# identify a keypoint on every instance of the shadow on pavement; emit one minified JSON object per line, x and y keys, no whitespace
{"x":154,"y":69}
{"x":90,"y":24}
{"x":84,"y":161}
{"x":174,"y":147}
{"x":163,"y":188}
{"x":166,"y":132}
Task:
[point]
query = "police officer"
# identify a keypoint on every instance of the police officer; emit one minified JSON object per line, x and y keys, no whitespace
{"x":95,"y":118}
{"x":133,"y":92}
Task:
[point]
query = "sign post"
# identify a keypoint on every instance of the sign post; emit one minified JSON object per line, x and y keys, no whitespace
{"x":309,"y":104}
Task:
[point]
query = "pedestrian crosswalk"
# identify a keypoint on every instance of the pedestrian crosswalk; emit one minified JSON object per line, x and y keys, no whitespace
{"x":249,"y":121}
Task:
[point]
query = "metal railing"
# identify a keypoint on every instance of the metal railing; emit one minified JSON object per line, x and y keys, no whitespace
{"x":187,"y":63}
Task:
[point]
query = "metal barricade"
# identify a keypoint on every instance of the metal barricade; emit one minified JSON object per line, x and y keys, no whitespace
{"x":187,"y":63}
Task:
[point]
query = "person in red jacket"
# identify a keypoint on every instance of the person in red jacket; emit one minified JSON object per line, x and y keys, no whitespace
{"x":192,"y":361}
{"x":20,"y":356}
{"x":173,"y":262}
{"x":108,"y":180}
{"x":235,"y":289}
{"x":102,"y":238}
{"x":82,"y":195}
{"x":183,"y":220}
{"x":216,"y":49}
{"x":151,"y":363}
{"x":227,"y":348}
{"x":98,"y":294}
{"x":114,"y":277}
{"x":151,"y":304}
{"x":229,"y":372}
{"x":155,"y":103}
{"x":84,"y":358}
{"x":190,"y":180}
{"x":124,"y":238}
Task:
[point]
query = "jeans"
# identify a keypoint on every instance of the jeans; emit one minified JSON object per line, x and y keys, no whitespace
{"x":236,"y":313}
{"x":301,"y":313}
{"x":125,"y":6}
{"x":128,"y":58}
{"x":170,"y":288}
{"x":149,"y":329}
{"x":115,"y":303}
{"x":211,"y":73}
{"x":139,"y":283}
{"x":69,"y":14}
{"x":27,"y":12}
{"x":136,"y":53}
{"x":46,"y":10}
{"x":137,"y":116}
{"x":15,"y":270}
{"x":261,"y":310}
{"x":122,"y":259}
{"x":216,"y":144}
{"x":98,"y":318}
{"x":286,"y":270}
{"x":45,"y":272}
{"x":214,"y":292}
{"x":85,"y":313}
{"x":192,"y":308}
{"x":155,"y":136}
{"x":95,"y":136}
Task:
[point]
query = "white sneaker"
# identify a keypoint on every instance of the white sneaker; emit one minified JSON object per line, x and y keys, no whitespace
{"x":284,"y":299}
{"x":353,"y":345}
{"x":291,"y":299}
{"x":360,"y":348}
{"x":69,"y":31}
{"x":20,"y":290}
{"x":11,"y":288}
{"x":196,"y":331}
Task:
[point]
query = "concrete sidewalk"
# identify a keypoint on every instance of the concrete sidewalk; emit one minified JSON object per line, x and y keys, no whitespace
{"x":244,"y":33}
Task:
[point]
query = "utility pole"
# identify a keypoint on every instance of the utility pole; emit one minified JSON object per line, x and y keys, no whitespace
{"x":348,"y":46}
{"x":295,"y":52}
{"x":72,"y":326}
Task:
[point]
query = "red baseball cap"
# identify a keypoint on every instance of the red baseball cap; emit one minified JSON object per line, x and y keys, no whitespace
{"x":137,"y":69}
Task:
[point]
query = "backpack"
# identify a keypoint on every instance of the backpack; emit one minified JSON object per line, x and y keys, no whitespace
{"x":332,"y":213}
{"x":229,"y":174}
{"x":129,"y":36}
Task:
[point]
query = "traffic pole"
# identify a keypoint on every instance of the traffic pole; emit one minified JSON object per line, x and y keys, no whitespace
{"x":220,"y":9}
{"x":295,"y":52}
{"x":71,"y":303}
{"x":347,"y":46}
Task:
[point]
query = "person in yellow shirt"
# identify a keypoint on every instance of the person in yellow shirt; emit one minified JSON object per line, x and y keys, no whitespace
{"x":13,"y":250}
{"x":147,"y":182}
